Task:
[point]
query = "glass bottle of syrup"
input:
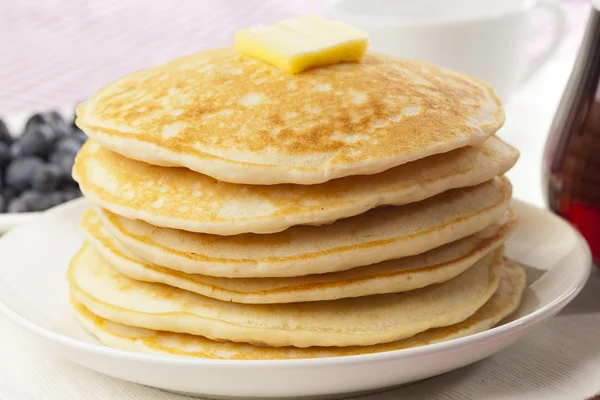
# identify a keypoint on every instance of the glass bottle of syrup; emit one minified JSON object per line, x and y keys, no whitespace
{"x":572,"y":155}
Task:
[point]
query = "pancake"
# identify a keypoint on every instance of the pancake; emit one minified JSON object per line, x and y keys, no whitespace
{"x":240,"y":120}
{"x":182,"y":199}
{"x":346,"y":322}
{"x":503,"y":303}
{"x":400,"y":275}
{"x":377,"y":235}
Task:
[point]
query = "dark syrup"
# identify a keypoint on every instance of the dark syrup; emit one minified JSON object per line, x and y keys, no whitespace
{"x":572,"y":155}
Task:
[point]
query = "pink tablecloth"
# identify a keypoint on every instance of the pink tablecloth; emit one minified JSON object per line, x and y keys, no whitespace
{"x":57,"y":52}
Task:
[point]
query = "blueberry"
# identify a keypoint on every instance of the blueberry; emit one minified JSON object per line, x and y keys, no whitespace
{"x":9,"y":194}
{"x":62,"y":196}
{"x":52,"y":120}
{"x":67,"y":183}
{"x":20,"y":172}
{"x":41,"y":203}
{"x":33,"y":121}
{"x":65,"y":162}
{"x":17,"y":205}
{"x":36,"y":141}
{"x":5,"y":156}
{"x":72,"y":194}
{"x":55,"y":157}
{"x":46,"y":178}
{"x":56,"y":198}
{"x":5,"y":136}
{"x":28,"y":195}
{"x":67,"y":145}
{"x":35,"y":201}
{"x":79,"y":135}
{"x":57,"y":123}
{"x":15,"y":150}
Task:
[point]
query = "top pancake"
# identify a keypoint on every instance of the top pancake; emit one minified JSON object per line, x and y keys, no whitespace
{"x":240,"y":120}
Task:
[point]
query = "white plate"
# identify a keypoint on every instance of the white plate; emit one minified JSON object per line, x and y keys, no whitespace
{"x":11,"y":220}
{"x":33,"y":293}
{"x":15,"y":123}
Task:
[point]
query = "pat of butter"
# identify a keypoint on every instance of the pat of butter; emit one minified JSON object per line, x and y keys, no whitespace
{"x":297,"y":44}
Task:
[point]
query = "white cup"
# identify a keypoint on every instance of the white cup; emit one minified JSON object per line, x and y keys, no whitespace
{"x":483,"y":38}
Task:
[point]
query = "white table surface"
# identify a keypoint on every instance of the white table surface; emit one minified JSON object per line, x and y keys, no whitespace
{"x":559,"y":361}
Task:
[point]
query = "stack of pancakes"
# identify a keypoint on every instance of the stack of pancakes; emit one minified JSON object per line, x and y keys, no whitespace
{"x":239,"y":212}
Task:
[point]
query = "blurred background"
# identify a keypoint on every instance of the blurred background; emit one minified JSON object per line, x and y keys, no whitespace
{"x":57,"y":52}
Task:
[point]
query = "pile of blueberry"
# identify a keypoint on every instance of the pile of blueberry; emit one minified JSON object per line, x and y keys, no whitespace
{"x":35,"y":167}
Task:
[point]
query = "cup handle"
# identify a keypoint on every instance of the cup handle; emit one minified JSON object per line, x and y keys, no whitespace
{"x":560,"y":28}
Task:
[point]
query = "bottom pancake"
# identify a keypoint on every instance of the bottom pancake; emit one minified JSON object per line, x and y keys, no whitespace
{"x":505,"y":300}
{"x":354,"y":321}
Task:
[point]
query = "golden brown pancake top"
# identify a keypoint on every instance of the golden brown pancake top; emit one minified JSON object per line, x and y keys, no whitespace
{"x":220,"y":105}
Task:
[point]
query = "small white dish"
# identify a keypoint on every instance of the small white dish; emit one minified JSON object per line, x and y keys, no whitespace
{"x":11,"y":220}
{"x":33,"y":294}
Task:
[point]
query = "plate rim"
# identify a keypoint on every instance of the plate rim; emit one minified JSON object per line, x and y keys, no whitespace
{"x":9,"y":221}
{"x":530,"y":320}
